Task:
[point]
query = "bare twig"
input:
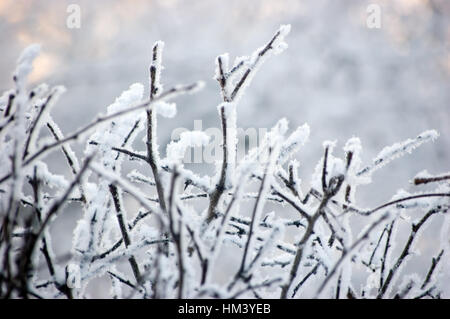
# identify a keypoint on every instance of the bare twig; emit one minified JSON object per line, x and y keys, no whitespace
{"x":414,"y":229}
{"x":426,"y":180}
{"x":434,"y":263}
{"x":152,"y":156}
{"x":123,"y":228}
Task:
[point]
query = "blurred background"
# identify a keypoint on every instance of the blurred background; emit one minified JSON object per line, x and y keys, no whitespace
{"x":342,"y":78}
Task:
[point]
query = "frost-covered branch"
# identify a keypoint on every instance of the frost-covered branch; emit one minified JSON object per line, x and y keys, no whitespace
{"x":405,"y":252}
{"x":178,"y":240}
{"x":232,"y":89}
{"x":152,"y":146}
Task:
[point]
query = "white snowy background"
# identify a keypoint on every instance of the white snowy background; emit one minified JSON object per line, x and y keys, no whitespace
{"x":342,"y":78}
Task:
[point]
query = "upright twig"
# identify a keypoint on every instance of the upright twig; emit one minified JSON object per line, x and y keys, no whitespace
{"x":230,"y":95}
{"x":152,"y":145}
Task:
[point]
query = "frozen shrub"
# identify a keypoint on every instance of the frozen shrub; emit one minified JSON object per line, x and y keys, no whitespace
{"x":170,"y":246}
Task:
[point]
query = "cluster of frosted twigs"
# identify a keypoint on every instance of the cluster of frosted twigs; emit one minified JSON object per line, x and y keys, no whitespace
{"x":161,"y":231}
